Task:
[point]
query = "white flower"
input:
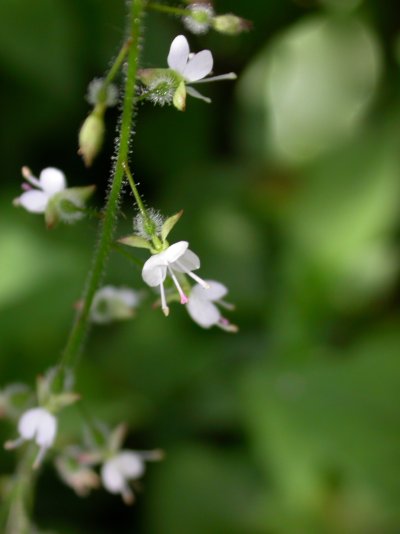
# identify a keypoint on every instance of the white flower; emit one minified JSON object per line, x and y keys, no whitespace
{"x":113,"y":303}
{"x":39,"y":425}
{"x":202,"y":309}
{"x":177,"y":258}
{"x":51,"y":181}
{"x":123,"y":467}
{"x":193,"y":67}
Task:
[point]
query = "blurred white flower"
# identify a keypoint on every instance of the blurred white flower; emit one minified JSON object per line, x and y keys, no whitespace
{"x":49,"y":195}
{"x":39,"y":425}
{"x":51,"y":181}
{"x":177,"y":258}
{"x":124,"y":467}
{"x":113,"y":304}
{"x":202,"y":306}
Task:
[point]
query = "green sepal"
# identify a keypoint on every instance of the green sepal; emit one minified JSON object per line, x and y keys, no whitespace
{"x":58,"y":402}
{"x":169,"y":224}
{"x":116,"y":438}
{"x":135,"y":241}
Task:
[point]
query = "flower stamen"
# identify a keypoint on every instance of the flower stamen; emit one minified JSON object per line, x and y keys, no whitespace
{"x":184,"y":299}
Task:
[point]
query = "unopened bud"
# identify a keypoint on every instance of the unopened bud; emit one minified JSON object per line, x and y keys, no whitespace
{"x":179,"y":99}
{"x":91,"y":137}
{"x":230,"y":24}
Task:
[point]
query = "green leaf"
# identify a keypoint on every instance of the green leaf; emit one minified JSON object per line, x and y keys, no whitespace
{"x":135,"y":241}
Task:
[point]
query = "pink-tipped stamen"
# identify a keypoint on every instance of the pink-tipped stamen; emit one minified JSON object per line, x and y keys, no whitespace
{"x":199,"y":280}
{"x":184,"y":298}
{"x":9,"y":445}
{"x":26,"y":187}
{"x":27,"y":174}
{"x":225,"y":325}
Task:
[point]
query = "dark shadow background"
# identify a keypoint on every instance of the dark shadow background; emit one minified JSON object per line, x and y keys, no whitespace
{"x":290,"y":186}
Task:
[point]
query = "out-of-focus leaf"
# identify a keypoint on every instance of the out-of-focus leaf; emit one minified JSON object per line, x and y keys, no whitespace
{"x":315,"y":83}
{"x":327,"y":434}
{"x":341,"y":218}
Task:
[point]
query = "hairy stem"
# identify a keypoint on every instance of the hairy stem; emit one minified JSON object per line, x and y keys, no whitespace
{"x":80,"y":327}
{"x":171,"y":10}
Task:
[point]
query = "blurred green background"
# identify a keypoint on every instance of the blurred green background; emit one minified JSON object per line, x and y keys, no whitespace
{"x":290,"y":182}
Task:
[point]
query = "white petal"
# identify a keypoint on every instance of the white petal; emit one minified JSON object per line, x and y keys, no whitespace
{"x":116,"y":472}
{"x":215,"y":292}
{"x":154,"y":272}
{"x":47,"y":430}
{"x":188,"y":262}
{"x":192,"y":92}
{"x":112,"y":478}
{"x":203,"y":312}
{"x":128,"y":296}
{"x":175,"y":251}
{"x":38,"y":424}
{"x":131,"y":464}
{"x":52,"y":180}
{"x":199,"y":66}
{"x":33,"y":201}
{"x":178,"y":54}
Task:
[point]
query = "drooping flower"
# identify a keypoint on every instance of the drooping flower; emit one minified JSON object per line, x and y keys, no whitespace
{"x":176,"y":259}
{"x":39,"y":425}
{"x":202,"y":306}
{"x":51,"y":181}
{"x":185,"y":69}
{"x":124,"y":467}
{"x":49,"y":194}
{"x":81,"y":478}
{"x":113,"y":304}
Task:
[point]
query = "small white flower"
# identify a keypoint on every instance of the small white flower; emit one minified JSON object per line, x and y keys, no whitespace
{"x":123,"y":467}
{"x":202,"y":306}
{"x":113,"y":303}
{"x":193,"y":67}
{"x":51,"y":181}
{"x":177,"y":258}
{"x":39,"y":425}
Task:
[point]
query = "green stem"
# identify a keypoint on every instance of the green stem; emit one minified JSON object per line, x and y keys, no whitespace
{"x":161,"y":8}
{"x":157,"y":243}
{"x":80,"y":327}
{"x":114,"y":69}
{"x":17,"y":505}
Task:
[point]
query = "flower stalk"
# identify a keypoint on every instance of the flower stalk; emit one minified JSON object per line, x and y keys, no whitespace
{"x":79,"y":329}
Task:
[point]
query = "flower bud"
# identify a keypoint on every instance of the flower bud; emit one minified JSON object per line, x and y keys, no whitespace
{"x":230,"y":24}
{"x":91,"y":136}
{"x":179,"y":99}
